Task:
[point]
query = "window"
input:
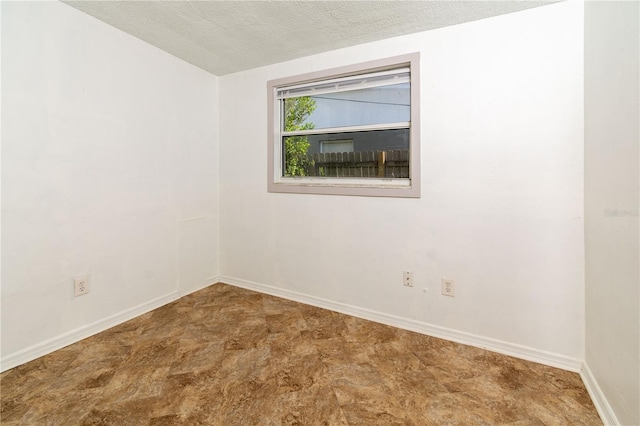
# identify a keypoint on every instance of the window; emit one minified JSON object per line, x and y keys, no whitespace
{"x":347,"y":131}
{"x":338,"y":145}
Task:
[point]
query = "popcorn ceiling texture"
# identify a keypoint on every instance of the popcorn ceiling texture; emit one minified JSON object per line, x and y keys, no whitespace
{"x":223,"y":37}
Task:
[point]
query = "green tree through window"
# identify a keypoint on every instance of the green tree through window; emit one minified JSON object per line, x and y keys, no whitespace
{"x":296,"y":111}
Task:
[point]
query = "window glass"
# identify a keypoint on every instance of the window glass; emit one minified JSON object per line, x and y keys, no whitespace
{"x":336,"y":145}
{"x":375,"y":105}
{"x":308,"y":155}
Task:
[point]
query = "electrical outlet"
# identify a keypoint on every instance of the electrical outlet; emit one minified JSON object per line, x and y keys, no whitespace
{"x":81,"y":285}
{"x":407,"y":278}
{"x":448,"y":287}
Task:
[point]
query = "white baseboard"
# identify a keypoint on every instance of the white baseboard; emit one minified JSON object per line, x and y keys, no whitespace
{"x":506,"y":348}
{"x":66,"y":339}
{"x":73,"y":336}
{"x":605,"y":411}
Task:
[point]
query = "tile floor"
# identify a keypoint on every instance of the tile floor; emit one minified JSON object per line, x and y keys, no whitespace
{"x":228,"y":356}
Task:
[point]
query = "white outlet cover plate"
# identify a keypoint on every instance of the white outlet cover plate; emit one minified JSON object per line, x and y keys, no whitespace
{"x":448,"y":287}
{"x":81,"y":286}
{"x":407,"y":278}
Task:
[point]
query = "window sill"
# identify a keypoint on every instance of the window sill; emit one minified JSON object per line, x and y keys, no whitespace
{"x":401,"y":188}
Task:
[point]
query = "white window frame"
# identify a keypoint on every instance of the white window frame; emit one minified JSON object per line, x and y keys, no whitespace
{"x":387,"y":187}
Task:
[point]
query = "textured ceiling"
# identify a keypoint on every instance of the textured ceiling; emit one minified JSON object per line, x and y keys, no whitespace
{"x":228,"y":36}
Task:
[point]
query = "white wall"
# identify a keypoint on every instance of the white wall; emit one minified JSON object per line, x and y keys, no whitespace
{"x":109,"y":149}
{"x":612,"y":134}
{"x":501,"y":210}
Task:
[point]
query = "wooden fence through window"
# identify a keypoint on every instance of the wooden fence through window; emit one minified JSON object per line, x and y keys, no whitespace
{"x":375,"y":164}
